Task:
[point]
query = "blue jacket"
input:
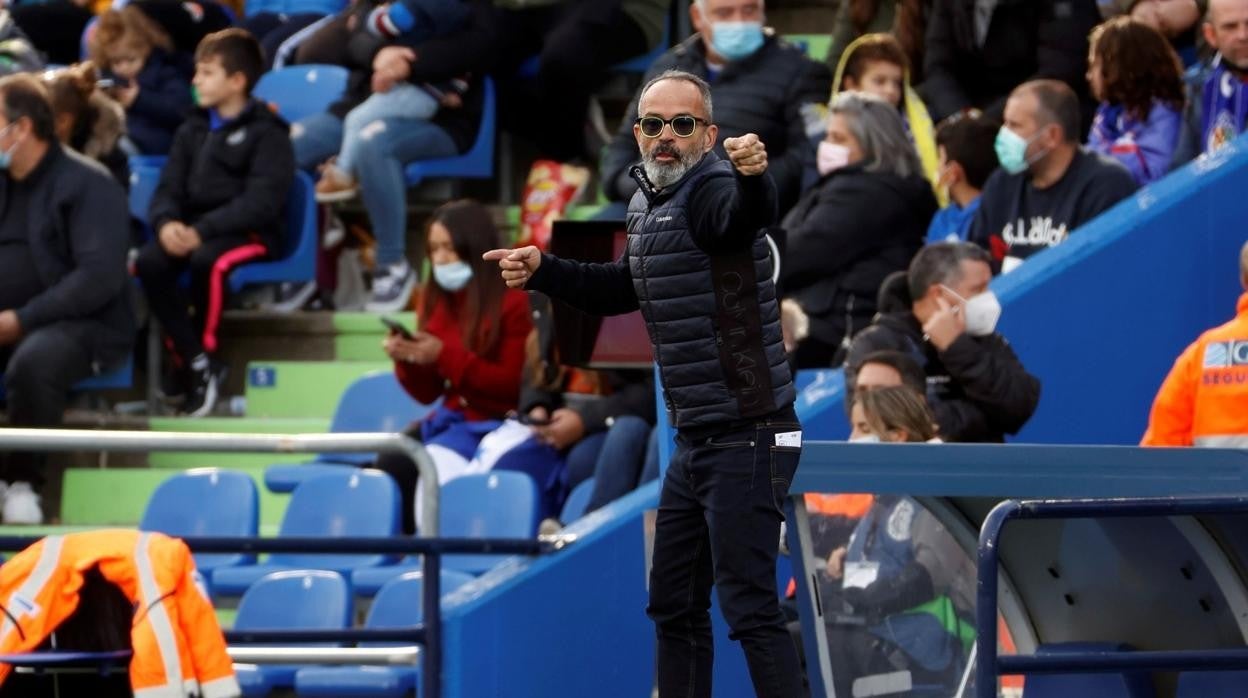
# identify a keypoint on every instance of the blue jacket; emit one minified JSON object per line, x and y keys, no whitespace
{"x":162,"y":105}
{"x":1145,"y":147}
{"x":293,"y":7}
{"x":952,"y":223}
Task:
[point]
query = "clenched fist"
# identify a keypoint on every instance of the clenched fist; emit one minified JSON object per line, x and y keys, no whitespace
{"x":518,"y":265}
{"x":747,"y":154}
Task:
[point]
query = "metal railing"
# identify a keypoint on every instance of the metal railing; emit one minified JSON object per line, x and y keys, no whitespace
{"x":988,"y":665}
{"x":54,"y":440}
{"x":428,"y":634}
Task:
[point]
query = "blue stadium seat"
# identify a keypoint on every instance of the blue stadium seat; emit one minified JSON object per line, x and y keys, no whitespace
{"x":291,"y":600}
{"x":1212,"y":684}
{"x":297,"y":261}
{"x":1128,"y":684}
{"x":499,"y":504}
{"x":397,"y":605}
{"x":302,"y":90}
{"x":352,"y":503}
{"x":477,"y":163}
{"x":144,"y":177}
{"x":206,"y":502}
{"x":578,"y":499}
{"x":374,"y":403}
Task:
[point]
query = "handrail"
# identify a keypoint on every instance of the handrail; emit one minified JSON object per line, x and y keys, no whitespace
{"x":144,"y":441}
{"x":988,"y":665}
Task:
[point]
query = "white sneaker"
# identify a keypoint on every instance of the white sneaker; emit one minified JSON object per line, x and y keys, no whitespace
{"x":392,"y":288}
{"x":21,"y":505}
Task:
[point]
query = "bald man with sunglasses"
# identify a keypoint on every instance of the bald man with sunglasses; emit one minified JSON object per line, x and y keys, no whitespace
{"x":698,"y":267}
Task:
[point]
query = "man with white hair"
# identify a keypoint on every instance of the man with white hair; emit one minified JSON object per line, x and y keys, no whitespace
{"x":698,"y":267}
{"x":1217,"y":98}
{"x":760,"y":85}
{"x":1204,"y":400}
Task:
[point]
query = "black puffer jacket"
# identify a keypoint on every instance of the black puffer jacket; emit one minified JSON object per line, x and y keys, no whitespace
{"x":231,"y":182}
{"x":1026,"y":40}
{"x":846,"y":234}
{"x":978,"y":389}
{"x":762,"y":94}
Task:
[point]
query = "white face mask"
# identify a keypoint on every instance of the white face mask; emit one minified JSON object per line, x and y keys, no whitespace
{"x":865,"y":439}
{"x":830,"y":157}
{"x":982,"y":312}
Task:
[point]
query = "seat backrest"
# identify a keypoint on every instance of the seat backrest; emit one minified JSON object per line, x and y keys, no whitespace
{"x":498,"y":504}
{"x":354,"y":503}
{"x":144,"y":177}
{"x":578,"y":499}
{"x":1211,"y":684}
{"x":296,"y":599}
{"x":302,"y":90}
{"x":1128,"y":684}
{"x":375,"y":402}
{"x":205,"y":502}
{"x":398,"y":602}
{"x":300,"y":216}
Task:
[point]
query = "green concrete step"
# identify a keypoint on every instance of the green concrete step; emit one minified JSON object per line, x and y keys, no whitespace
{"x":95,"y":497}
{"x":282,"y":389}
{"x":358,"y":336}
{"x":231,"y":425}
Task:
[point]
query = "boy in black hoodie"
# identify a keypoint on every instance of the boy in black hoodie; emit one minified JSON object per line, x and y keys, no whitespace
{"x":219,"y":204}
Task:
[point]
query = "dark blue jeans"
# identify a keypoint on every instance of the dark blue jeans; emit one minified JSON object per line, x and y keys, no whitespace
{"x":719,"y":524}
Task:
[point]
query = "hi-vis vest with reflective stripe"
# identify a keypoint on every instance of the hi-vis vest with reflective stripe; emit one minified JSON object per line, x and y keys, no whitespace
{"x":1204,"y":400}
{"x":178,"y":647}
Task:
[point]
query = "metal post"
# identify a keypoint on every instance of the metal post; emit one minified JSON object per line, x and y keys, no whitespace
{"x":986,"y":599}
{"x":431,"y":672}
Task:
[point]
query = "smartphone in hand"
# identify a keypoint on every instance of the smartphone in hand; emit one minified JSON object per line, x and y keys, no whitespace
{"x":397,"y":327}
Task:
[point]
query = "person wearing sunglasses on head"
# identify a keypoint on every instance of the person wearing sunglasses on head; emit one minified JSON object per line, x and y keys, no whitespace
{"x":698,"y":267}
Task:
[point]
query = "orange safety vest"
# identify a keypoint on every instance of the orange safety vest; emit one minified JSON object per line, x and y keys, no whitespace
{"x":851,"y":506}
{"x":178,"y":647}
{"x":1204,"y":400}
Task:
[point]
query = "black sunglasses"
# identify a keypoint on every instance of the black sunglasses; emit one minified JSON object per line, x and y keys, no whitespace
{"x":683,"y":126}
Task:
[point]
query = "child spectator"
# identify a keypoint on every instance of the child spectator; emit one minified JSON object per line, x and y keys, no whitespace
{"x":967,"y":157}
{"x":148,"y":79}
{"x":469,"y":350}
{"x":415,"y":21}
{"x":1138,"y":79}
{"x":877,"y":64}
{"x":88,"y":120}
{"x":219,"y":204}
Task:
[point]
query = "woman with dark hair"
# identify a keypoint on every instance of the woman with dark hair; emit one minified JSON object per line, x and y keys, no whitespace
{"x":468,"y":351}
{"x":1138,"y":78}
{"x":864,"y":219}
{"x":86,"y":119}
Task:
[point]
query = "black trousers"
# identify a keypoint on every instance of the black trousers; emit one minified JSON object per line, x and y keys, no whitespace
{"x":576,"y":43}
{"x":209,"y":265}
{"x":719,"y":525}
{"x":38,"y":374}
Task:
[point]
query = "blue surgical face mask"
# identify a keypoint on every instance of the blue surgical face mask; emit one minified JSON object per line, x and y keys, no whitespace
{"x":6,"y":156}
{"x":736,"y":40}
{"x":1012,"y":150}
{"x":452,"y":276}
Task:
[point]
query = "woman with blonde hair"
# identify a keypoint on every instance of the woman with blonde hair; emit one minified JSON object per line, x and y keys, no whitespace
{"x":893,"y":415}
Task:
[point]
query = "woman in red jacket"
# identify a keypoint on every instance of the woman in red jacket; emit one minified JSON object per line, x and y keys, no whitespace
{"x":469,"y":350}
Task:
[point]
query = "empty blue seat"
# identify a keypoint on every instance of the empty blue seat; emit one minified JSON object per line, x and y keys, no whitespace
{"x":291,"y":600}
{"x":353,"y":503}
{"x":206,"y":502}
{"x":1127,"y":684}
{"x":397,"y":605}
{"x":119,"y":378}
{"x":373,"y":403}
{"x":1212,"y":684}
{"x":144,"y":177}
{"x":499,"y":504}
{"x":477,"y":163}
{"x":298,"y":91}
{"x":296,"y":261}
{"x":578,"y":499}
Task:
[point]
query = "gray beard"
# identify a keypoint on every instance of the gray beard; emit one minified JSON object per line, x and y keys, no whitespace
{"x":663,"y":175}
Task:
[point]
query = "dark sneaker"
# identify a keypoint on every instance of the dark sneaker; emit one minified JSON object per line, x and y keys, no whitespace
{"x":392,"y":288}
{"x":207,"y":378}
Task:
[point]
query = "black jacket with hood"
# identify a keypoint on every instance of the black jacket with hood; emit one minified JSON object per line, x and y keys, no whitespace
{"x":231,"y":182}
{"x":977,"y":388}
{"x":844,"y":237}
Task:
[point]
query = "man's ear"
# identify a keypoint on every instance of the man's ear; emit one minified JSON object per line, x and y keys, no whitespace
{"x":712,"y":137}
{"x":1210,"y":35}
